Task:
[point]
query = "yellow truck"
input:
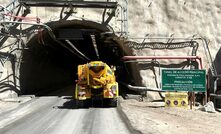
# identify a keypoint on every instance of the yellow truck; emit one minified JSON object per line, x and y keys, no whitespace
{"x":96,"y":82}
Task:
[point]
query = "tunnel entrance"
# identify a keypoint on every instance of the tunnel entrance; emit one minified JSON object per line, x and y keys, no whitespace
{"x":48,"y":66}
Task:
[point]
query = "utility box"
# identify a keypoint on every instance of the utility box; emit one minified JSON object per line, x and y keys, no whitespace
{"x":176,"y":99}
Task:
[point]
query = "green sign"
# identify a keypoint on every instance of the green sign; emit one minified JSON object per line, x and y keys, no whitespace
{"x":183,"y":80}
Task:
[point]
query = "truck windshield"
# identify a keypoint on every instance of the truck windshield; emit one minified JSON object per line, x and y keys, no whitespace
{"x":96,"y":69}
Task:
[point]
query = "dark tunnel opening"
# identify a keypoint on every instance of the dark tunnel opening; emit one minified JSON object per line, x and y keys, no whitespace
{"x":48,"y":66}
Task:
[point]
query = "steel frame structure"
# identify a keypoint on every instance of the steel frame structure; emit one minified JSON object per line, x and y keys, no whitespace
{"x":15,"y":14}
{"x":9,"y":15}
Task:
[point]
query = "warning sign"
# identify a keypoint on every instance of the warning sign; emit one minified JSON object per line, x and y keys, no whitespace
{"x":183,"y":80}
{"x":176,"y":99}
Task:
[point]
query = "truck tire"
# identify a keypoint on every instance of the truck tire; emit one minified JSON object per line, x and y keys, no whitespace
{"x":74,"y":103}
{"x":113,"y":102}
{"x":80,"y":104}
{"x":83,"y":103}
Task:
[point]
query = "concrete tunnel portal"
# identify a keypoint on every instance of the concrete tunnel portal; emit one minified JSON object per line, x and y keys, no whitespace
{"x":47,"y":65}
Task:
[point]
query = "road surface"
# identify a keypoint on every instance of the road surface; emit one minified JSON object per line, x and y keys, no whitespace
{"x":55,"y":115}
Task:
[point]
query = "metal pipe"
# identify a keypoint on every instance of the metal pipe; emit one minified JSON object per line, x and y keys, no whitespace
{"x":122,"y":9}
{"x":209,"y":56}
{"x":177,"y":38}
{"x":126,"y":18}
{"x":159,"y":57}
{"x":5,"y":8}
{"x":141,"y":88}
{"x":125,"y":58}
{"x":78,"y":51}
{"x":216,"y":95}
{"x":204,"y":42}
{"x":22,"y":17}
{"x":28,"y":23}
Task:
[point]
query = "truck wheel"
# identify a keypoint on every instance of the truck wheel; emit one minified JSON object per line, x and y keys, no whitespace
{"x":113,"y":102}
{"x":80,"y":104}
{"x":74,"y":103}
{"x":88,"y":103}
{"x":83,"y":103}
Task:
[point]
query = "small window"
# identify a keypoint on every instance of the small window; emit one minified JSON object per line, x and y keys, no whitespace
{"x":96,"y":69}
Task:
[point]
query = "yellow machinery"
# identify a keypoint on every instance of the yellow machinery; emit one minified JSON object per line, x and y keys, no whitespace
{"x":96,"y":81}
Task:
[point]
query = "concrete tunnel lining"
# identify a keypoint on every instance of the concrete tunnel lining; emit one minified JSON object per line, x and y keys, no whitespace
{"x":49,"y":66}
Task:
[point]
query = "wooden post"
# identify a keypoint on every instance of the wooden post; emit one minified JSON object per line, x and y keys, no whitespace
{"x":194,"y":100}
{"x":205,"y":98}
{"x":190,"y":100}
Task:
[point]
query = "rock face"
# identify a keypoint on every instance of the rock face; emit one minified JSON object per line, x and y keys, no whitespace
{"x":179,"y":18}
{"x":183,"y":18}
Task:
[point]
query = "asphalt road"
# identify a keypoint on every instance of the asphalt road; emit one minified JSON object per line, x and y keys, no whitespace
{"x":55,"y":115}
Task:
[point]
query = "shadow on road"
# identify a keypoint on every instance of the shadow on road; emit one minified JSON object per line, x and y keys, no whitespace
{"x":70,"y":103}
